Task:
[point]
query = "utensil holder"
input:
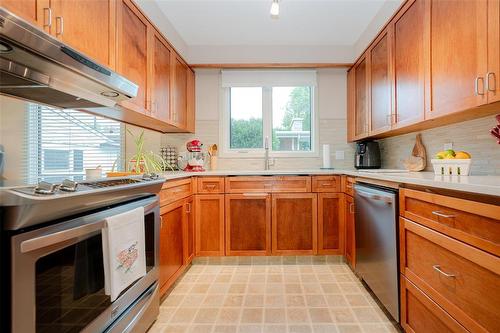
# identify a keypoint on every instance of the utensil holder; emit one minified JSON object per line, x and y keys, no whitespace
{"x":213,"y":162}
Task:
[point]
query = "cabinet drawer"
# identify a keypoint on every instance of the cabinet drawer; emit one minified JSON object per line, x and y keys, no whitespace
{"x":463,"y":280}
{"x":348,"y":185}
{"x":326,"y":183}
{"x":473,"y":222}
{"x":210,"y":185}
{"x":419,"y":314}
{"x":175,"y":190}
{"x":263,"y":184}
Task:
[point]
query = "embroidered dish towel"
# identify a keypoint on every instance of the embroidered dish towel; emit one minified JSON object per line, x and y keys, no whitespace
{"x":124,"y":251}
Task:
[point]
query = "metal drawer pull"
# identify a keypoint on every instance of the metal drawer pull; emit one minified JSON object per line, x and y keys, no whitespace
{"x":476,"y":86}
{"x":60,"y":26}
{"x":438,"y":268}
{"x":255,"y":194}
{"x":351,"y":208}
{"x":490,"y":87}
{"x":326,"y":184}
{"x":438,"y":213}
{"x":188,"y":208}
{"x":210,"y":186}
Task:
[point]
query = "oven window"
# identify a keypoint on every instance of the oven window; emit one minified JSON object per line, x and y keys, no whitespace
{"x":70,"y":283}
{"x":70,"y":287}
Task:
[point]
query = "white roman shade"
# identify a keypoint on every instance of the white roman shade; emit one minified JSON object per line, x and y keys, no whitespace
{"x":268,"y":78}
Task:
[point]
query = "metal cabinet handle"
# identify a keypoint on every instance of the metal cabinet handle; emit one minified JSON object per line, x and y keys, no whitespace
{"x":188,"y":208}
{"x":210,"y":186}
{"x":59,"y":25}
{"x":490,"y":87}
{"x":351,"y":208}
{"x":326,"y":184}
{"x":161,"y":221}
{"x":49,"y":17}
{"x":438,"y":213}
{"x":254,"y":194}
{"x":438,"y":268}
{"x":476,"y":86}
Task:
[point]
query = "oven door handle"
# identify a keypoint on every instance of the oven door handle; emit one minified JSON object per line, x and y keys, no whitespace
{"x":60,"y":236}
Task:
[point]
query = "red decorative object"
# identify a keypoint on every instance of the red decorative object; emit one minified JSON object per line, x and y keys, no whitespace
{"x":194,"y":145}
{"x":495,"y":131}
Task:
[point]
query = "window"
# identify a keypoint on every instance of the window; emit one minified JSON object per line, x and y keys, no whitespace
{"x":63,"y":143}
{"x":276,"y":107}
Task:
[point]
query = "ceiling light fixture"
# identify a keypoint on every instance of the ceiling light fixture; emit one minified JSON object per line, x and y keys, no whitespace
{"x":275,"y":9}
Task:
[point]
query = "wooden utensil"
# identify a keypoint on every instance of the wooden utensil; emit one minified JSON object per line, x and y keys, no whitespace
{"x":418,"y":158}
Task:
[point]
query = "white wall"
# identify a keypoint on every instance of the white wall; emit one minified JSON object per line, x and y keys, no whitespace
{"x":332,"y":122}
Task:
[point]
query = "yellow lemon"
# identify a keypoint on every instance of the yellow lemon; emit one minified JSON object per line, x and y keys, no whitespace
{"x":462,"y":155}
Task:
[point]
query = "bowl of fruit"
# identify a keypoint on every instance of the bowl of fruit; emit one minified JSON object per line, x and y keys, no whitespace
{"x":450,"y":162}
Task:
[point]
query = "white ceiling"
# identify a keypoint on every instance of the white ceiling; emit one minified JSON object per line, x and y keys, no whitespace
{"x":247,"y":22}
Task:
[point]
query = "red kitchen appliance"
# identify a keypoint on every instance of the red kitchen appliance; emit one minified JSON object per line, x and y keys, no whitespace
{"x":195,"y":157}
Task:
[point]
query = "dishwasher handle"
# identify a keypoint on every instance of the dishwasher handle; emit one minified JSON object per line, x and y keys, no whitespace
{"x":387,"y":200}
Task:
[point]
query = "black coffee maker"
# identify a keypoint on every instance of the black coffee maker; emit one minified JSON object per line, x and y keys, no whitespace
{"x":367,"y":155}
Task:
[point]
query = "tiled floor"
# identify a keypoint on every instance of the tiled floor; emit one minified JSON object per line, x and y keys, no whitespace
{"x":297,"y":298}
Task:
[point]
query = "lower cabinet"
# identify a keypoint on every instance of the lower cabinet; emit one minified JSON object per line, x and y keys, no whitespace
{"x":331,"y":223}
{"x":248,"y":224}
{"x":294,"y":223}
{"x":189,"y":231}
{"x":350,"y":230}
{"x":171,"y":243}
{"x":421,"y":314}
{"x":209,"y":227}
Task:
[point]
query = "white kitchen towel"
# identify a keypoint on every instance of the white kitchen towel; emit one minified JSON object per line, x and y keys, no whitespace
{"x":124,"y":251}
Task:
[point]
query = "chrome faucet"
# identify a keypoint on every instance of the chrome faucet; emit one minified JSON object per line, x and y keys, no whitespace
{"x":267,"y":161}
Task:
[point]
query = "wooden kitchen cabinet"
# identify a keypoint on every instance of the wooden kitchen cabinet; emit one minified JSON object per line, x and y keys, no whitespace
{"x":189,"y":230}
{"x":361,"y":105}
{"x":209,"y":224}
{"x":88,"y":26}
{"x":409,"y":55}
{"x":132,"y":52}
{"x":178,"y":113}
{"x":351,"y":104}
{"x":457,"y":51}
{"x":160,"y":77}
{"x":380,"y":82}
{"x":248,"y":224}
{"x":493,"y":76}
{"x":191,"y":101}
{"x":171,"y":243}
{"x":350,"y":231}
{"x":294,"y":224}
{"x":34,"y":11}
{"x":331,"y":223}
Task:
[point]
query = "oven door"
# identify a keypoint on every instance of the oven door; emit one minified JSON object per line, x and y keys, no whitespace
{"x":58,"y":273}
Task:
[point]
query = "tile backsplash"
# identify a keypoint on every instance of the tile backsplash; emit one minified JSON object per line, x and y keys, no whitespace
{"x":471,"y":136}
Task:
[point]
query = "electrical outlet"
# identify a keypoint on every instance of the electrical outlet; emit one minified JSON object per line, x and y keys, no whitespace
{"x":448,"y":145}
{"x":339,"y":154}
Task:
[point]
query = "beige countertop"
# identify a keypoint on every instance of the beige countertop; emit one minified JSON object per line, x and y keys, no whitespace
{"x":489,"y":185}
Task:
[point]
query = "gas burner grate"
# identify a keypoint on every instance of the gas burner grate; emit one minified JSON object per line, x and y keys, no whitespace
{"x":109,"y":183}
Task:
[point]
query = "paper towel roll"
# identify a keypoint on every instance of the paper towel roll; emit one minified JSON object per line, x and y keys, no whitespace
{"x":326,"y":157}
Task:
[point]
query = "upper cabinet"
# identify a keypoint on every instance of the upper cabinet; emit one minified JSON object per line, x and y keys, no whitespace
{"x":161,"y":78}
{"x":178,"y":113}
{"x":458,"y":56}
{"x":493,"y":75}
{"x":408,"y":57}
{"x":436,"y":62}
{"x":380,"y":69}
{"x":37,"y":12}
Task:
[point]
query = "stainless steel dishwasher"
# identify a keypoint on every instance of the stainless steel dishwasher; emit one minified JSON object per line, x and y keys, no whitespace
{"x":377,"y":243}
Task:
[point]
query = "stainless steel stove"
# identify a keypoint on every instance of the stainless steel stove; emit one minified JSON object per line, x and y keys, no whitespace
{"x":52,"y":250}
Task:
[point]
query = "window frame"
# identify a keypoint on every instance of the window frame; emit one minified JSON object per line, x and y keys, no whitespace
{"x":267,"y":106}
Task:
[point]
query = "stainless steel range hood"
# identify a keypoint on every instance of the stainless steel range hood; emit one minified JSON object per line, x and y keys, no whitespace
{"x":37,"y":67}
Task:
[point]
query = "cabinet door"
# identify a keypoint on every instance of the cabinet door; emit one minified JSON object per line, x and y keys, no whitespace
{"x":132,"y":51}
{"x":493,"y":75}
{"x":380,"y":83}
{"x":351,"y":102}
{"x":189,"y":231}
{"x":248,"y":224}
{"x":361,"y":99}
{"x":34,"y":11}
{"x":209,"y":224}
{"x":294,"y":223}
{"x":331,"y":223}
{"x":179,"y":107}
{"x":350,"y":240}
{"x":88,"y":26}
{"x":458,"y":56}
{"x":191,"y":101}
{"x":409,"y":64}
{"x":171,"y":242}
{"x":161,"y":78}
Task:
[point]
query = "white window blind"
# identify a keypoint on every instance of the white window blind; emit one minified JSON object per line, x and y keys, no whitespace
{"x":63,"y":143}
{"x":268,"y":78}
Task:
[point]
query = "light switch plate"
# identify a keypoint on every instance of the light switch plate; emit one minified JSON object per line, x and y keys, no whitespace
{"x":448,"y":145}
{"x":339,"y":154}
